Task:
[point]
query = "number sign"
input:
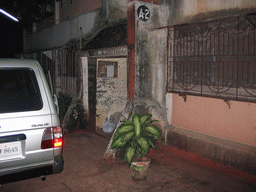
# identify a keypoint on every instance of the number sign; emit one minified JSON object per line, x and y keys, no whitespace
{"x":143,"y":13}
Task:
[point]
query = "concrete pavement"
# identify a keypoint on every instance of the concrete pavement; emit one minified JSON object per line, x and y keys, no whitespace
{"x":84,"y":170}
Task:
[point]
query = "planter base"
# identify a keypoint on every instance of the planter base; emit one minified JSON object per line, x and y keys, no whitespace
{"x":139,"y":168}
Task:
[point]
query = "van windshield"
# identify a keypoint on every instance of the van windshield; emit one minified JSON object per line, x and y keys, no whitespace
{"x":19,"y":91}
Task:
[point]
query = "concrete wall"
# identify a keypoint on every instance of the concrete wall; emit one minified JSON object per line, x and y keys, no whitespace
{"x":111,"y":92}
{"x":227,"y":152}
{"x":205,"y":126}
{"x":82,"y":18}
{"x":214,"y":117}
{"x":85,"y":84}
{"x":208,"y":126}
{"x":117,"y":9}
{"x":74,"y":8}
{"x":150,"y":50}
{"x":150,"y":61}
{"x":65,"y":33}
{"x":157,"y":64}
{"x":183,"y":11}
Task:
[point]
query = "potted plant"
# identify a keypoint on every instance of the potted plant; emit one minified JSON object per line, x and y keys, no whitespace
{"x":140,"y":134}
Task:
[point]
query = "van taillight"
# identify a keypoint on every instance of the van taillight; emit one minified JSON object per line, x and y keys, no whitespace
{"x":52,"y":138}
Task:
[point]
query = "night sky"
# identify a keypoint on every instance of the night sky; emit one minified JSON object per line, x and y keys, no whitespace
{"x":11,"y":40}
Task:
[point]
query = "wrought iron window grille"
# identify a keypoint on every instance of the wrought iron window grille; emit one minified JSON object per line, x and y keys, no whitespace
{"x":214,"y":59}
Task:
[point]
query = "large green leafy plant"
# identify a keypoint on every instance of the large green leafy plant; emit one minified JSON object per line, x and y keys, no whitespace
{"x":139,"y":133}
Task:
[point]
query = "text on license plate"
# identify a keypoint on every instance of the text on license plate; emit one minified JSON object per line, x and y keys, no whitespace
{"x":10,"y":150}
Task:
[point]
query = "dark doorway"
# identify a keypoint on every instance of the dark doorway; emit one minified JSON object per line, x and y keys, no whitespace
{"x":92,"y":63}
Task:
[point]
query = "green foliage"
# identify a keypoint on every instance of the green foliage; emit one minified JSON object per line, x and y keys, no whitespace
{"x":137,"y":126}
{"x":139,"y":133}
{"x":124,"y":128}
{"x":152,"y":129}
{"x":143,"y":146}
{"x":129,"y":153}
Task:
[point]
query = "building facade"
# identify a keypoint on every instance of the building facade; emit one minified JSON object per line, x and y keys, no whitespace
{"x":189,"y":63}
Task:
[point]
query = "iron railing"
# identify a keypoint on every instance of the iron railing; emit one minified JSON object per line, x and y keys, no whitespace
{"x":65,"y":63}
{"x":214,"y":59}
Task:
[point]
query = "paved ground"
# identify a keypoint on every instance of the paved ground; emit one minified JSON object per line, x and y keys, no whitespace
{"x":85,"y":170}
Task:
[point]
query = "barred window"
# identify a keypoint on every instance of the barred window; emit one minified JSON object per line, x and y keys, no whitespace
{"x":65,"y":60}
{"x":214,"y":59}
{"x":71,"y":62}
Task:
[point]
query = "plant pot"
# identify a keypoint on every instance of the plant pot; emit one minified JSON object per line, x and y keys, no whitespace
{"x":139,"y":168}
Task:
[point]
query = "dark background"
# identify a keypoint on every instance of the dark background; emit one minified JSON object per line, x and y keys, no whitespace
{"x":11,"y":41}
{"x":27,"y":12}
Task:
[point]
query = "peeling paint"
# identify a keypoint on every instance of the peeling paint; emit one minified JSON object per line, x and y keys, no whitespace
{"x":111,"y":92}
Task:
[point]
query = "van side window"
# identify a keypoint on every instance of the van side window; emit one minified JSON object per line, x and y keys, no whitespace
{"x":19,"y":91}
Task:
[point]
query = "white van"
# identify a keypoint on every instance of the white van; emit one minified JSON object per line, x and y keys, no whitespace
{"x":30,"y":132}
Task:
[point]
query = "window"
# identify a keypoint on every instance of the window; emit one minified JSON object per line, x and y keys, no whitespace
{"x":107,"y":69}
{"x":214,"y":59}
{"x":19,"y":91}
{"x":65,"y":61}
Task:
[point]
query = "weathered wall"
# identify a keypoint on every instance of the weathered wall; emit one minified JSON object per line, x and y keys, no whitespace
{"x":116,"y":9}
{"x":111,"y":92}
{"x":150,"y":60}
{"x":150,"y":46}
{"x":214,"y":117}
{"x":227,"y":152}
{"x":183,"y":11}
{"x":157,"y":41}
{"x":81,"y":19}
{"x":201,"y":125}
{"x":67,"y":32}
{"x":73,"y":8}
{"x":205,"y":115}
{"x":83,"y":63}
{"x":150,"y":50}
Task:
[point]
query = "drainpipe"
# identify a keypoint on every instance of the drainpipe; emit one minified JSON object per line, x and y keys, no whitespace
{"x":131,"y":50}
{"x":57,"y":12}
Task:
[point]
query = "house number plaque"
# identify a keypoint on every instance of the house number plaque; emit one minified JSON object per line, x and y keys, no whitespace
{"x":143,"y":13}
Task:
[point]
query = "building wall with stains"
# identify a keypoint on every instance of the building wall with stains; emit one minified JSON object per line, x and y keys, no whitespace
{"x":206,"y":115}
{"x":183,"y":11}
{"x":205,"y":126}
{"x":148,"y":50}
{"x":80,"y":20}
{"x":111,"y":91}
{"x":116,"y":9}
{"x":70,"y":9}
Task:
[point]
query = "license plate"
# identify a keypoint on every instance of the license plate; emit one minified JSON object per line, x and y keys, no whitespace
{"x":10,"y":150}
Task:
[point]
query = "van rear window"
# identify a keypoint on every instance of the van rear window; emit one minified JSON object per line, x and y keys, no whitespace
{"x":19,"y":91}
